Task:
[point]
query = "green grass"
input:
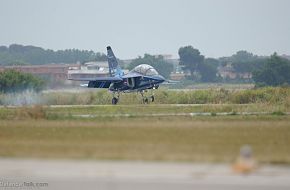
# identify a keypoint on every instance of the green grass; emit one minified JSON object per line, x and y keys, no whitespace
{"x":196,"y":139}
{"x":278,"y":96}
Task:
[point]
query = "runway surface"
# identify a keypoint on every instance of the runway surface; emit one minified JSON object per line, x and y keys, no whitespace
{"x":125,"y":175}
{"x":165,"y":114}
{"x":122,"y":105}
{"x":192,"y":114}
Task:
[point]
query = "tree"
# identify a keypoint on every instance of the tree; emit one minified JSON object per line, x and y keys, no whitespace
{"x":246,"y":62}
{"x":193,"y":61}
{"x":190,"y":58}
{"x":243,"y":56}
{"x":274,"y":73}
{"x":15,"y":81}
{"x":208,"y":70}
{"x":162,"y":66}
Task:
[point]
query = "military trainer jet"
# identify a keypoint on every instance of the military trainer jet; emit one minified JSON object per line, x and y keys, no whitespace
{"x":142,"y":78}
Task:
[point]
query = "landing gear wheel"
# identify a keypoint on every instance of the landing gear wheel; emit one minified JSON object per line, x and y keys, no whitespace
{"x":145,"y":101}
{"x":152,"y":98}
{"x":114,"y":101}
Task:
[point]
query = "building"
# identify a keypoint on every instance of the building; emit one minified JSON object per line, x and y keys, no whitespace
{"x":57,"y":75}
{"x":89,"y":70}
{"x":286,"y":56}
{"x":228,"y":72}
{"x":55,"y":71}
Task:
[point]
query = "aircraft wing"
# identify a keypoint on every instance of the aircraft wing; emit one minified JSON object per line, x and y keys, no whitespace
{"x":99,"y":82}
{"x":100,"y":79}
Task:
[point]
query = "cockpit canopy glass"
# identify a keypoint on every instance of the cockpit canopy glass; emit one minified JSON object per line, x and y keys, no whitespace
{"x":145,"y":69}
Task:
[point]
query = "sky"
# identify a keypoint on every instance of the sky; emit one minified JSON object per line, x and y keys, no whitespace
{"x":134,"y":27}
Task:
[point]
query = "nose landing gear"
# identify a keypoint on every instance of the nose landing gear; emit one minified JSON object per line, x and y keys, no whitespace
{"x":115,"y":100}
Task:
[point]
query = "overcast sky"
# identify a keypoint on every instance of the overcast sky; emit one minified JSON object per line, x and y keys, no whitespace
{"x":134,"y":27}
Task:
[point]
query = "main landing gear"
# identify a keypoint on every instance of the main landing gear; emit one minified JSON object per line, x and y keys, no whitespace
{"x":145,"y":99}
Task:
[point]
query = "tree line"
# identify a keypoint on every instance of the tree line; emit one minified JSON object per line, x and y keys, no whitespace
{"x":273,"y":70}
{"x":23,"y":55}
{"x":266,"y":71}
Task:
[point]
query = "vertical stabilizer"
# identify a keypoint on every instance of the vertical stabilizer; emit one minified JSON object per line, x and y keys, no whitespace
{"x":114,"y":67}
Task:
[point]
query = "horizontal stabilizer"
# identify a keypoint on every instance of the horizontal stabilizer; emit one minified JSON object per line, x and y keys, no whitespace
{"x":98,"y":84}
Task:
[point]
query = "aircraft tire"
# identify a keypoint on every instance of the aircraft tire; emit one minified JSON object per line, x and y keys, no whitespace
{"x":152,"y":98}
{"x":145,"y":101}
{"x":114,"y":101}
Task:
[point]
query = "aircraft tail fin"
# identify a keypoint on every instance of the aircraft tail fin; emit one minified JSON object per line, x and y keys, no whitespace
{"x":114,"y":68}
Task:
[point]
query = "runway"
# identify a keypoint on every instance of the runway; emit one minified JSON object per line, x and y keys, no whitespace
{"x":123,"y":105}
{"x":126,"y":175}
{"x":192,"y":114}
{"x":161,"y":114}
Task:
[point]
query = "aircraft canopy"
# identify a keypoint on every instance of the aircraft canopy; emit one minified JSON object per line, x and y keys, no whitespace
{"x":145,"y":69}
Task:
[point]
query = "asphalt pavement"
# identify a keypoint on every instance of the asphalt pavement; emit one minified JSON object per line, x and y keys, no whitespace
{"x":126,"y":175}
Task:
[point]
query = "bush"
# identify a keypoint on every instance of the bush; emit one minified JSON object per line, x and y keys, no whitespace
{"x":15,"y":81}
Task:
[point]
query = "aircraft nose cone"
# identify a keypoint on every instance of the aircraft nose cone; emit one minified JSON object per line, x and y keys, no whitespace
{"x":161,"y":78}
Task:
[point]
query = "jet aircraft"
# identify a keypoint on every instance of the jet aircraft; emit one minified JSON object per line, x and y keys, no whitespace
{"x":142,"y":78}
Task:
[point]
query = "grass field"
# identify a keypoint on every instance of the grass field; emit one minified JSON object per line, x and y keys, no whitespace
{"x":157,"y":131}
{"x":279,"y":96}
{"x":196,"y":139}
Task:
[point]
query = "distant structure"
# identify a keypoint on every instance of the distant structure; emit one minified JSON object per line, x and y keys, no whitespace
{"x":177,"y":73}
{"x":89,"y":70}
{"x":57,"y":74}
{"x":286,"y":56}
{"x":61,"y":72}
{"x":165,"y":56}
{"x":55,"y":71}
{"x":228,"y":72}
